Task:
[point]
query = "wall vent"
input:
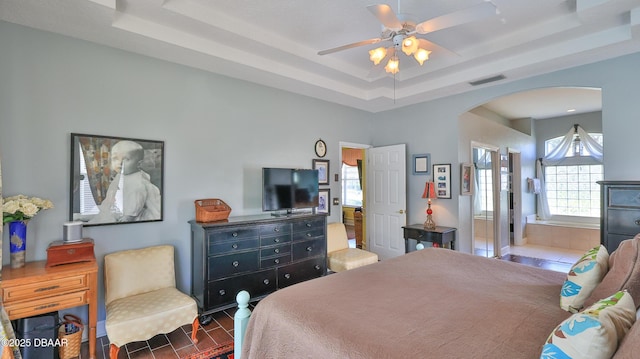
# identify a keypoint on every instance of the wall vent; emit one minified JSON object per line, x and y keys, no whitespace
{"x":487,"y":80}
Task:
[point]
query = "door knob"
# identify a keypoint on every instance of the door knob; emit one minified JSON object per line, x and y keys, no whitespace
{"x":401,"y":211}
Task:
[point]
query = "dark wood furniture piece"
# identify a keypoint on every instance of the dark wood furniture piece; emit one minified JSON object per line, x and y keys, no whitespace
{"x":440,"y":236}
{"x":36,"y":289}
{"x":259,"y":254}
{"x":619,"y":212}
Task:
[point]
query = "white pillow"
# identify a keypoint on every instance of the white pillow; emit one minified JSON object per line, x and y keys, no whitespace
{"x":593,"y":333}
{"x":583,"y":278}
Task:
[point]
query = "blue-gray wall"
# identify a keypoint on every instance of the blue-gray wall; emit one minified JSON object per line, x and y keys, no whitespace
{"x":219,"y":132}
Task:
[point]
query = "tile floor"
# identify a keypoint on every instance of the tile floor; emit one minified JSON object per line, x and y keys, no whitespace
{"x":177,"y":344}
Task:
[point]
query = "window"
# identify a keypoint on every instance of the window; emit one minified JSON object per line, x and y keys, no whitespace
{"x":351,"y":191}
{"x":485,"y":187}
{"x":87,"y":203}
{"x":572,"y":189}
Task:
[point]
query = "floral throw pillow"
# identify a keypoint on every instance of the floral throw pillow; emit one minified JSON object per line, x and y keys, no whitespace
{"x":583,"y":278}
{"x":593,"y":333}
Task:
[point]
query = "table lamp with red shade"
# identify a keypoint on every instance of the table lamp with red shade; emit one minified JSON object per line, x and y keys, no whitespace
{"x":429,"y":193}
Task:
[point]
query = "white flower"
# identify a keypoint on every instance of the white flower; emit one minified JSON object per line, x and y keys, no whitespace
{"x":21,"y":207}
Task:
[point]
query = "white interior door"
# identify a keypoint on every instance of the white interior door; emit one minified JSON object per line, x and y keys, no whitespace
{"x":386,"y":200}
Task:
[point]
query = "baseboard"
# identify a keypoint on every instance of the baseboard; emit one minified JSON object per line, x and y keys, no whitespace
{"x":505,"y":250}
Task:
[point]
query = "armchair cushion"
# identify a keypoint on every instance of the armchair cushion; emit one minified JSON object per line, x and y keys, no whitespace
{"x":142,"y":316}
{"x":340,"y":257}
{"x":141,"y":299}
{"x":350,"y":258}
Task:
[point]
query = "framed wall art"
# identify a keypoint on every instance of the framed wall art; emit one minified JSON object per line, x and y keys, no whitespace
{"x":115,"y":180}
{"x":421,"y":164}
{"x":466,"y":179}
{"x":442,"y":180}
{"x":323,"y":170}
{"x":324,"y":201}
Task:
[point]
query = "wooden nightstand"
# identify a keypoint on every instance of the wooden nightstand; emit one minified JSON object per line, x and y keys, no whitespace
{"x":35,"y":289}
{"x":440,"y":236}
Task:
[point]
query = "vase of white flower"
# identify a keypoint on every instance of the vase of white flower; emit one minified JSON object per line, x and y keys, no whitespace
{"x":17,"y":243}
{"x":16,"y":211}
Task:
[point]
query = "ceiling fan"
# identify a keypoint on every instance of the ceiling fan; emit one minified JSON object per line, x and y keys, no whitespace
{"x":401,"y":32}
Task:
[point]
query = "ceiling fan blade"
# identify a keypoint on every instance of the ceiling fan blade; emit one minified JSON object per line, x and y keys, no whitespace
{"x":386,"y":16}
{"x":474,"y":13}
{"x":349,"y":46}
{"x":437,"y":49}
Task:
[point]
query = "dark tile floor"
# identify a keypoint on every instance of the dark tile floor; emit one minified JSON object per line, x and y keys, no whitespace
{"x":176,"y":344}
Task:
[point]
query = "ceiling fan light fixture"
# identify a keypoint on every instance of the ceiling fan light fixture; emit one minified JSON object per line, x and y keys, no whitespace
{"x":421,"y":55}
{"x":393,"y":66}
{"x":376,"y":55}
{"x":409,"y":45}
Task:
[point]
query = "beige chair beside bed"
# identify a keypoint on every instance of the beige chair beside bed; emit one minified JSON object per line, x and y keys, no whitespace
{"x":340,"y":256}
{"x":141,"y":297}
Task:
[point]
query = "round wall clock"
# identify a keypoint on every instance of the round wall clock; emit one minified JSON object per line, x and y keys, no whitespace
{"x":321,"y":148}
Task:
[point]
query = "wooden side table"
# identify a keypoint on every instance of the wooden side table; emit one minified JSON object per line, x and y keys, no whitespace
{"x":35,"y":289}
{"x":440,"y":236}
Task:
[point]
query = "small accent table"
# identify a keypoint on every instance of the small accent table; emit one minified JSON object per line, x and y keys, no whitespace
{"x":439,"y":237}
{"x":36,"y":289}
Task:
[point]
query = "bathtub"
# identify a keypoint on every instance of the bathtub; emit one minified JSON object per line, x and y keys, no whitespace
{"x":562,"y":234}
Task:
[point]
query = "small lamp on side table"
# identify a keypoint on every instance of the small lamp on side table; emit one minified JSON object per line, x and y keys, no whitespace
{"x":429,"y":193}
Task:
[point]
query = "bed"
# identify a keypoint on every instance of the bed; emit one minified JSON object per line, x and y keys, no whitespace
{"x":441,"y":302}
{"x":433,"y":303}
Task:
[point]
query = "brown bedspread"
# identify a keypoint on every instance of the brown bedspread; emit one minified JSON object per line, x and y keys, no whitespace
{"x":433,"y":303}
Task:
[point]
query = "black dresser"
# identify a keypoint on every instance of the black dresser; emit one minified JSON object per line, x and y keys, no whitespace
{"x":259,"y":254}
{"x":620,"y":212}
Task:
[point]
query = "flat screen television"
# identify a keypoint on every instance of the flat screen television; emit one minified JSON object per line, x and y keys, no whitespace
{"x":289,"y":189}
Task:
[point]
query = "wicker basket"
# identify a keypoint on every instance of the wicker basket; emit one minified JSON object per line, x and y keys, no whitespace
{"x":70,"y":335}
{"x":210,"y":210}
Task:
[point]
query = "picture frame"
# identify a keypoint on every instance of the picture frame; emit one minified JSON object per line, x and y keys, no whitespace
{"x":442,"y":180}
{"x":323,"y":170}
{"x":324,"y":201}
{"x":466,"y":179}
{"x":103,"y":192}
{"x":422,"y":164}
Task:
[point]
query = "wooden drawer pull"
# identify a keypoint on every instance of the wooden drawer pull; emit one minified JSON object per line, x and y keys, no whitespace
{"x":47,"y":306}
{"x":44,"y":289}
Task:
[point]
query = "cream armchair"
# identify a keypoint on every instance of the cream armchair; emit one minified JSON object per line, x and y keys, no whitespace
{"x":340,"y":257}
{"x":141,"y":297}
